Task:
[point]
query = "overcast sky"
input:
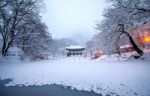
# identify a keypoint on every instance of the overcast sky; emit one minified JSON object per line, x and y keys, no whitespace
{"x":67,"y":18}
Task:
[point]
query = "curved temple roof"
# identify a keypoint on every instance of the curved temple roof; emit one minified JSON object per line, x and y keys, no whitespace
{"x":75,"y":48}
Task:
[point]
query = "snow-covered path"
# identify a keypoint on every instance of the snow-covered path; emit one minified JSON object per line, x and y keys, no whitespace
{"x":123,"y":78}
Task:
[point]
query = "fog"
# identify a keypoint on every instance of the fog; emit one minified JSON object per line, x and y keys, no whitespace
{"x":73,"y":18}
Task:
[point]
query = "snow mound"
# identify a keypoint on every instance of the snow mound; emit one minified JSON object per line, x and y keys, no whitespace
{"x":116,"y":57}
{"x":145,"y":56}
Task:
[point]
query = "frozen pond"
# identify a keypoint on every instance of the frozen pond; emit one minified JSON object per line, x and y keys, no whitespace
{"x":44,"y":90}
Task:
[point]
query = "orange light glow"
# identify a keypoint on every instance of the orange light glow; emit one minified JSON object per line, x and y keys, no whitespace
{"x":146,"y":39}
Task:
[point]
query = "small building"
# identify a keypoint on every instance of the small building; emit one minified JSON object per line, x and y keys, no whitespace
{"x":142,"y":34}
{"x":74,"y":50}
{"x":98,"y":54}
{"x":126,"y":48}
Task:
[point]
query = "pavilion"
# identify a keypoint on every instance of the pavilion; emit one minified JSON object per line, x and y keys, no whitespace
{"x":74,"y":50}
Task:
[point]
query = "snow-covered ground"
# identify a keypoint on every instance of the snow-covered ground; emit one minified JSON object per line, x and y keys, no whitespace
{"x":111,"y":77}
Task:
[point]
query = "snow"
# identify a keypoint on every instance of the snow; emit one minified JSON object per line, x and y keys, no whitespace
{"x":75,"y":47}
{"x":125,"y":46}
{"x":116,"y":57}
{"x":14,"y":50}
{"x":106,"y":76}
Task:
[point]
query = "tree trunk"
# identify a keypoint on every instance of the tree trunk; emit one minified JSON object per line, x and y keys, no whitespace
{"x":136,"y":48}
{"x":3,"y":48}
{"x":6,"y":47}
{"x":118,"y":50}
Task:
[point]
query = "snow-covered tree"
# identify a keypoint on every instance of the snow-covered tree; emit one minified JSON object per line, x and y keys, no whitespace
{"x":91,"y":46}
{"x":33,"y":37}
{"x":3,"y":3}
{"x":121,"y":18}
{"x":12,"y":12}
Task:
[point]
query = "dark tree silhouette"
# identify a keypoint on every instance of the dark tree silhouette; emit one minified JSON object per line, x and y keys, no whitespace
{"x":137,"y":49}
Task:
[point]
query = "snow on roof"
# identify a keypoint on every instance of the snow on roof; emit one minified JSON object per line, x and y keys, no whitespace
{"x":125,"y":46}
{"x":75,"y":47}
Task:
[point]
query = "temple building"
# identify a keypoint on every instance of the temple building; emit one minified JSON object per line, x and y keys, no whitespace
{"x":74,"y":50}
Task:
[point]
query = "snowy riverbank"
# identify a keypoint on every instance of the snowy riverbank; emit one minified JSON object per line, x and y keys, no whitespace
{"x":123,"y":78}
